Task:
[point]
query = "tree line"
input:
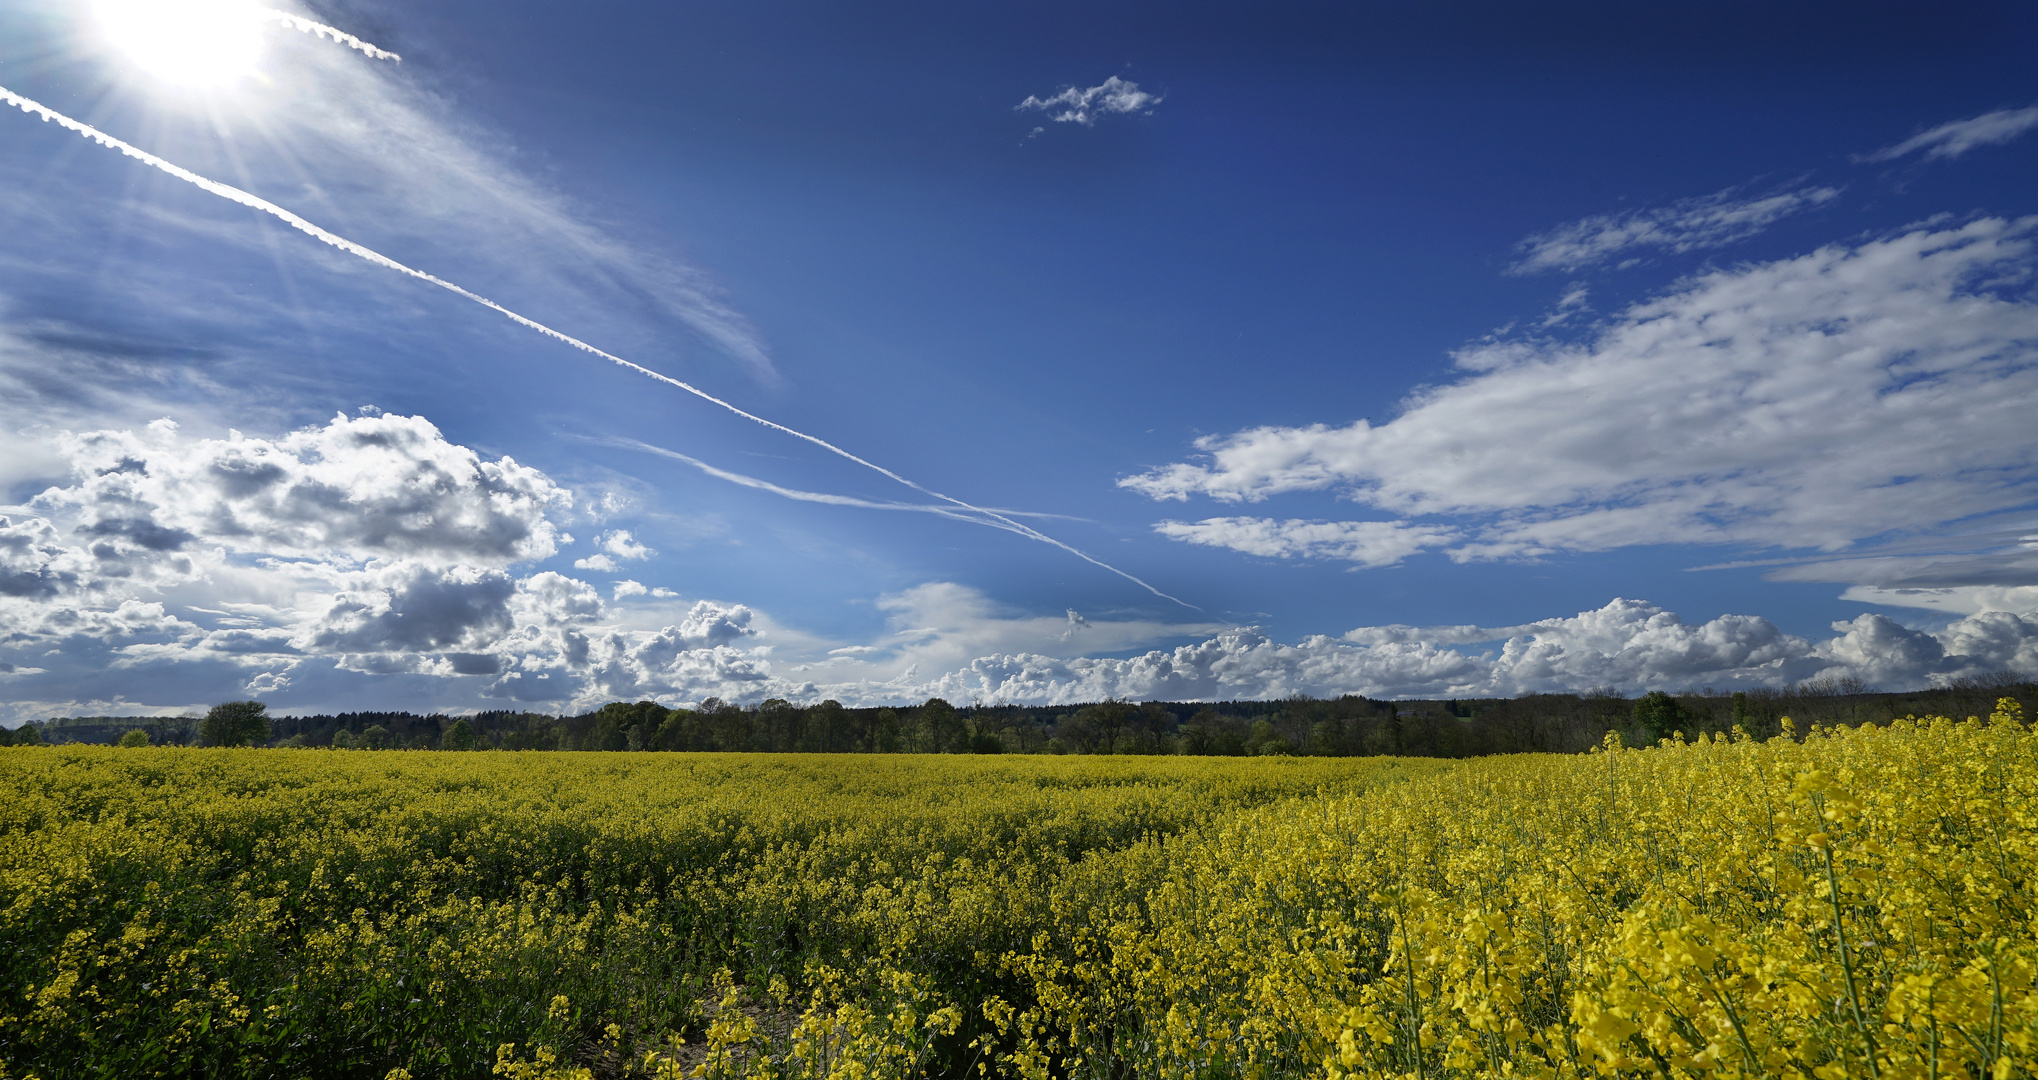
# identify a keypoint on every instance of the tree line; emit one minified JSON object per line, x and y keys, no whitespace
{"x":1330,"y":727}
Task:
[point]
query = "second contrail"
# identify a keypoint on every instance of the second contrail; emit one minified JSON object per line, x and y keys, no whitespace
{"x":307,"y":26}
{"x":234,"y":194}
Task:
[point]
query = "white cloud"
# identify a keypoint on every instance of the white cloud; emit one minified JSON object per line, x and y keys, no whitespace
{"x":1629,"y":645}
{"x":268,"y":682}
{"x":1967,"y":599}
{"x":1632,"y":643}
{"x":1573,"y":302}
{"x":365,"y":548}
{"x":619,"y":543}
{"x":938,"y":629}
{"x":599,"y":562}
{"x":1367,"y":543}
{"x":386,"y":486}
{"x":1950,"y":140}
{"x":1077,"y":624}
{"x":1987,"y":565}
{"x":1084,"y":106}
{"x":422,"y":583}
{"x":32,"y":560}
{"x":1235,"y":664}
{"x":553,"y":599}
{"x":1716,"y":220}
{"x":948,"y":624}
{"x":409,"y":608}
{"x":1996,"y":640}
{"x":1813,"y":402}
{"x":1879,"y":651}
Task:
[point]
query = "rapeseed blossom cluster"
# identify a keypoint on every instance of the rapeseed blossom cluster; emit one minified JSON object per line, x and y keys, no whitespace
{"x":169,"y":912}
{"x":1858,"y":903}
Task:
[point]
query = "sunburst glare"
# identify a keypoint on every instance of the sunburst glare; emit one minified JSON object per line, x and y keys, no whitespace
{"x":185,"y":42}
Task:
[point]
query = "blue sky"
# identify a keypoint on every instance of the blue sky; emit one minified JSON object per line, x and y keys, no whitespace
{"x":1417,"y":349}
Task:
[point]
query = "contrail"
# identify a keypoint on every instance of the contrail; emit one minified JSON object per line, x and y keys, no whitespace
{"x":814,"y":496}
{"x":795,"y":493}
{"x":234,"y":194}
{"x":300,"y":23}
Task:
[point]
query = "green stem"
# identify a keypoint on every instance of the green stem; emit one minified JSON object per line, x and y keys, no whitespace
{"x":1414,"y":1011}
{"x":1846,"y":965}
{"x":1740,"y":1033}
{"x":1995,"y":1018}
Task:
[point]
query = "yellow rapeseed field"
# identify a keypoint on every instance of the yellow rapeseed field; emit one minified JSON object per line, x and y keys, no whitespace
{"x":1849,"y":903}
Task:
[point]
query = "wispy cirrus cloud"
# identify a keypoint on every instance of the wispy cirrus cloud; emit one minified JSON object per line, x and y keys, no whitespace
{"x":363,"y":143}
{"x":1950,"y":140}
{"x":1710,"y":221}
{"x":1084,"y":105}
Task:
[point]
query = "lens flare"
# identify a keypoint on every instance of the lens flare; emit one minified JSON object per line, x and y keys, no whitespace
{"x":185,"y":42}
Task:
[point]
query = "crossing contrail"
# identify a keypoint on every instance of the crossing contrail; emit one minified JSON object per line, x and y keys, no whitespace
{"x":304,"y":25}
{"x":817,"y":496}
{"x":234,"y":194}
{"x":795,"y":493}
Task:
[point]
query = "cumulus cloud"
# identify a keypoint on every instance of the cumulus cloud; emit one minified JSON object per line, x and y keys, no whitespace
{"x":622,"y":545}
{"x":615,"y":544}
{"x":33,"y":562}
{"x":384,"y":486}
{"x":1813,"y":402}
{"x":1710,"y":221}
{"x":1367,"y":543}
{"x":1236,"y":664}
{"x":1950,"y":140}
{"x":364,"y":548}
{"x":1629,"y":645}
{"x":709,"y":653}
{"x":1084,"y":106}
{"x":410,"y":608}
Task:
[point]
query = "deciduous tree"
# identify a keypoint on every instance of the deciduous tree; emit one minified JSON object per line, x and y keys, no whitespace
{"x":235,"y":723}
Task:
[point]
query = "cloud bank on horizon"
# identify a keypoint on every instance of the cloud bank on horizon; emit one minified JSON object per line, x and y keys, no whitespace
{"x":372,"y":547}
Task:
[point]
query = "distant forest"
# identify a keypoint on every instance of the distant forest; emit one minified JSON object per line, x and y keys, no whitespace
{"x":1337,"y":727}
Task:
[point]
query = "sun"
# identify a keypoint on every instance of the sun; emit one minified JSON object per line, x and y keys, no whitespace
{"x":185,"y":42}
